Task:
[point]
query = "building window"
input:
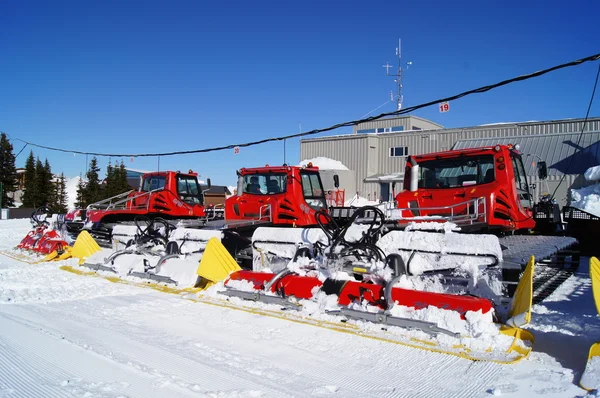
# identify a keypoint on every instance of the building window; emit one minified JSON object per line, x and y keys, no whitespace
{"x":416,"y":128}
{"x":367,"y":131}
{"x":399,"y":151}
{"x":398,"y":128}
{"x":381,"y":130}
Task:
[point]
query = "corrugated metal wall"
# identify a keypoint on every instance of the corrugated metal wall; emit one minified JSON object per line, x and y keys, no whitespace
{"x":350,"y":150}
{"x":357,"y":151}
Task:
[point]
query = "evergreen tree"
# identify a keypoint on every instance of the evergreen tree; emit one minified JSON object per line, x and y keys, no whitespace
{"x":110,"y":189}
{"x":121,"y":179}
{"x":60,"y":204}
{"x":29,"y":192}
{"x":41,"y":187}
{"x":93,"y":190}
{"x":8,"y":171}
{"x":80,"y":198}
{"x":49,"y":184}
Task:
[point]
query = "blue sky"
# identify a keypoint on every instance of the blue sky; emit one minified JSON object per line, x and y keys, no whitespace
{"x":155,"y":76}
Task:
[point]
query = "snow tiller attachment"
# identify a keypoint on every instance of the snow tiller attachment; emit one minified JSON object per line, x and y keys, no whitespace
{"x":355,"y":284}
{"x":156,"y":253}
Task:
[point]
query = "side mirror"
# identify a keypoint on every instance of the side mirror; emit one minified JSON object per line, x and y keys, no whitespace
{"x":208,"y":183}
{"x":542,"y":170}
{"x":336,"y":180}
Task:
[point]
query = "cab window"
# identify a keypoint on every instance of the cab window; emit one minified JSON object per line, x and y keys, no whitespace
{"x":153,"y":183}
{"x":264,"y":184}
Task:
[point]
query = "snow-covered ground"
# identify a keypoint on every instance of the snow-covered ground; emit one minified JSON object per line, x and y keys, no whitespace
{"x":68,"y":335}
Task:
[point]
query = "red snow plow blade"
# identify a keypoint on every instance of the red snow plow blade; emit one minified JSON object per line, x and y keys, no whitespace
{"x":302,"y":287}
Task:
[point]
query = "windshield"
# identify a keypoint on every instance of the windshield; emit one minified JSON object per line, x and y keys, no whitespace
{"x":264,"y":184}
{"x":456,"y":172}
{"x":313,"y":190}
{"x":188,"y":190}
{"x":153,"y":183}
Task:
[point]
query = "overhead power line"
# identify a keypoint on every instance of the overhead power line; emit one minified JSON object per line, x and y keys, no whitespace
{"x":483,"y":89}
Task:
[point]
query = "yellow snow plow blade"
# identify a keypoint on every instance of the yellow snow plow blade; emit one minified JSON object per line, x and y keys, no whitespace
{"x":590,"y":379}
{"x":595,"y":277}
{"x":520,"y":311}
{"x":84,"y":247}
{"x":216,"y":263}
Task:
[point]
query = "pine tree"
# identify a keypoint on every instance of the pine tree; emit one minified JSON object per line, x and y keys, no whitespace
{"x":80,"y":198}
{"x":41,"y":187}
{"x":93,"y":190}
{"x":60,"y":204}
{"x":110,"y":189}
{"x":29,"y":192}
{"x":121,"y":179}
{"x":50,"y":185}
{"x":8,"y":171}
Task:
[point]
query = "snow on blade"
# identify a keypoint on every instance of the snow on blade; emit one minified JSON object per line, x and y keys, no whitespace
{"x":470,"y":250}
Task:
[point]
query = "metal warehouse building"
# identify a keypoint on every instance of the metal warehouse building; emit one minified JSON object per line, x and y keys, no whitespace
{"x":377,"y":150}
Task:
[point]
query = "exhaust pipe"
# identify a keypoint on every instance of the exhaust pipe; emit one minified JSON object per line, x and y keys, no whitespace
{"x":414,"y":175}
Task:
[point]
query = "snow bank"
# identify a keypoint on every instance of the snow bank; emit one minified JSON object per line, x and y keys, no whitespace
{"x":592,"y":174}
{"x":71,"y":185}
{"x":359,"y":201}
{"x":324,"y":163}
{"x":587,"y":199}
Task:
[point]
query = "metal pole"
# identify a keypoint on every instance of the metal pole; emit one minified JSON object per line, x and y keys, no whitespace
{"x":0,"y":200}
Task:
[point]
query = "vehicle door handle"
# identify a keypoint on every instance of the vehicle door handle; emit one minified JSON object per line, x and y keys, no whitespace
{"x":427,"y":196}
{"x":462,"y":195}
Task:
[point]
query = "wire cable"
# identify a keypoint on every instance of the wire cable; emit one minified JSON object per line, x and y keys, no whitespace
{"x":483,"y":89}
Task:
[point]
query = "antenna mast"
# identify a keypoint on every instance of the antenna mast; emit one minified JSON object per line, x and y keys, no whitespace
{"x":398,"y":75}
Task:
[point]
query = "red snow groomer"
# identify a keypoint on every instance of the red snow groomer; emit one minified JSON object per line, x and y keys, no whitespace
{"x":43,"y":238}
{"x":482,"y":188}
{"x":169,"y":195}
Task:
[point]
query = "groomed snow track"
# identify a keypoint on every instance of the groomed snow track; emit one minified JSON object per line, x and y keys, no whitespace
{"x":141,"y":343}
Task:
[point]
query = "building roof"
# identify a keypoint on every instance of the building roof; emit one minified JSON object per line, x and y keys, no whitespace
{"x":564,"y":153}
{"x":218,"y":190}
{"x":592,"y":123}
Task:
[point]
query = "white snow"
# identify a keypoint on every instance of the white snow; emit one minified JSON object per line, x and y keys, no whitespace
{"x":587,"y":199}
{"x":324,"y":163}
{"x":71,"y":188}
{"x":359,"y":201}
{"x":68,"y":335}
{"x":592,"y":174}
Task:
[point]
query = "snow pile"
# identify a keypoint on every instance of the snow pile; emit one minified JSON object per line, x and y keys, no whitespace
{"x":587,"y":199}
{"x":592,"y":174}
{"x":71,"y":187}
{"x":324,"y":163}
{"x":232,"y":189}
{"x":359,"y":201}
